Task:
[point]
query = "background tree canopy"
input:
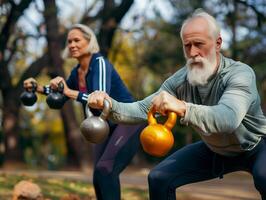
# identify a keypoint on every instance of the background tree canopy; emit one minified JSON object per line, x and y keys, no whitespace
{"x":141,"y":38}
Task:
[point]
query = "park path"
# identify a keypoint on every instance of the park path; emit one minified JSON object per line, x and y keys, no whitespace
{"x":235,"y":186}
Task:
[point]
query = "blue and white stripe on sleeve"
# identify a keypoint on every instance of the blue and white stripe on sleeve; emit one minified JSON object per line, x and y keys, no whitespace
{"x":102,"y":74}
{"x":83,"y":97}
{"x":46,"y":89}
{"x":99,"y":79}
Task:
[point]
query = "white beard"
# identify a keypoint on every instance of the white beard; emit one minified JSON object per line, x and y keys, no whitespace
{"x":200,"y":69}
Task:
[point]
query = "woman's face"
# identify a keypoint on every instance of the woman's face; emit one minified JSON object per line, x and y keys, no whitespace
{"x":77,"y":44}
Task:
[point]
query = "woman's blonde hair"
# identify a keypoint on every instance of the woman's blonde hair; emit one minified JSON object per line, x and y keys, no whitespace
{"x":89,"y":35}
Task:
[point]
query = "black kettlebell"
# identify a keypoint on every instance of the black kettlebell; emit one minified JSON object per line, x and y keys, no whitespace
{"x":55,"y":99}
{"x":28,"y":97}
{"x":96,"y":129}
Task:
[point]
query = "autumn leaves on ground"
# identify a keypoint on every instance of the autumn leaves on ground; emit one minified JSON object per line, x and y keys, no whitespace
{"x":67,"y":185}
{"x":59,"y":189}
{"x":55,"y":189}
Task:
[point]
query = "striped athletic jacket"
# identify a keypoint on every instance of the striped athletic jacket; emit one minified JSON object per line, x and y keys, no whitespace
{"x":101,"y":76}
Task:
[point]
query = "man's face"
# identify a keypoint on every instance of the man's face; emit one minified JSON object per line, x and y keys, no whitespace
{"x":201,"y":50}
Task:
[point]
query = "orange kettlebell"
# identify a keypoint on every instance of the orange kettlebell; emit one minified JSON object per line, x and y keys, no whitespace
{"x":157,"y":139}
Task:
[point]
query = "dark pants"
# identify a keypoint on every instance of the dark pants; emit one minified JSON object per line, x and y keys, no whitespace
{"x":112,"y":157}
{"x":196,"y":162}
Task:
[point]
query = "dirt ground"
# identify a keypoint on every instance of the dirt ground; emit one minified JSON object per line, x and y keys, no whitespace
{"x":235,"y":186}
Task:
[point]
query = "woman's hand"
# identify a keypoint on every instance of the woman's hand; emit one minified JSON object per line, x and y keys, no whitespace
{"x":96,"y":99}
{"x":54,"y":84}
{"x":165,"y":102}
{"x":28,"y":85}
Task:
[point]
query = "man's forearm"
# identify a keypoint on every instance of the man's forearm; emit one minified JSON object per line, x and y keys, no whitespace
{"x":130,"y":113}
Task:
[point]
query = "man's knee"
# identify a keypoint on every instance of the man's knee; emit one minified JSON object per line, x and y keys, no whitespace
{"x":259,"y":177}
{"x":157,"y":178}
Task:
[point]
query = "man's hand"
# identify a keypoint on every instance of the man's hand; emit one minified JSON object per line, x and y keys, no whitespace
{"x":164,"y":102}
{"x":96,"y":99}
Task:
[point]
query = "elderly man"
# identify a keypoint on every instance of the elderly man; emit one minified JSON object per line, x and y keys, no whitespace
{"x":215,"y":95}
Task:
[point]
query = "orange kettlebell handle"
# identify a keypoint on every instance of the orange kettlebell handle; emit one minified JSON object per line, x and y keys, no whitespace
{"x":170,"y":122}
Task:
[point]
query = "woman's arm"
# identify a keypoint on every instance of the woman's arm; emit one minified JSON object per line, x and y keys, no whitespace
{"x":70,"y":93}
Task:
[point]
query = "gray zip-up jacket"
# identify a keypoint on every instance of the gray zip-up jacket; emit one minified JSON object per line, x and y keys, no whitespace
{"x":226,"y":112}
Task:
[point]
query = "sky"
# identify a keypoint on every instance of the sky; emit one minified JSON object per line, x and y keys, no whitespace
{"x":67,"y":8}
{"x":76,"y":9}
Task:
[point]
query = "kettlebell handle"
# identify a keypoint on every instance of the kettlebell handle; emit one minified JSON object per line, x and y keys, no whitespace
{"x":105,"y":112}
{"x":106,"y":109}
{"x":170,"y":122}
{"x":28,"y":97}
{"x":151,"y":118}
{"x":60,"y":87}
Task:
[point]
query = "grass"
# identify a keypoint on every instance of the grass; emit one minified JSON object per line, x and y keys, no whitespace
{"x":55,"y":189}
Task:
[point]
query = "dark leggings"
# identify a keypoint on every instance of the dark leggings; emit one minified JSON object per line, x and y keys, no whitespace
{"x":112,"y":157}
{"x":196,"y":162}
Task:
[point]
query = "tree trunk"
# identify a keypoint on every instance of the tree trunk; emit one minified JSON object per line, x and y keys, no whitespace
{"x":11,"y":127}
{"x":10,"y":96}
{"x":9,"y":26}
{"x":79,"y":151}
{"x":111,"y":16}
{"x":73,"y":136}
{"x":234,"y":32}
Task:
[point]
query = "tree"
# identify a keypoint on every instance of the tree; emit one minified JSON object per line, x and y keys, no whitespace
{"x":77,"y":148}
{"x":110,"y":15}
{"x":10,"y":92}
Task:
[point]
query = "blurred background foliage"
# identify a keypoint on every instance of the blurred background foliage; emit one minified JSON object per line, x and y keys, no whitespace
{"x":140,"y":38}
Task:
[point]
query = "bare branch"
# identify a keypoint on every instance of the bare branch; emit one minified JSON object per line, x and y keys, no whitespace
{"x":38,"y":8}
{"x":33,"y":70}
{"x":89,"y":19}
{"x":86,"y":19}
{"x":260,"y":16}
{"x":92,"y":6}
{"x":120,"y":11}
{"x":16,"y":12}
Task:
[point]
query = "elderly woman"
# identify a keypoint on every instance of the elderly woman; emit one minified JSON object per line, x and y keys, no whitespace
{"x":95,"y":73}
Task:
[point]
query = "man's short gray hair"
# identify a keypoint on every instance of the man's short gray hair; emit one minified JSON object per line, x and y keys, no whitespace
{"x":214,"y":27}
{"x":89,"y":35}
